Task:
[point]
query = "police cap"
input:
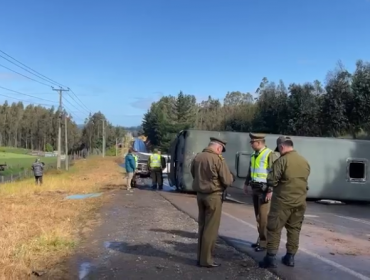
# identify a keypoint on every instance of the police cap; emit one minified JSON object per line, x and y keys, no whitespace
{"x":282,"y":140}
{"x":219,"y":141}
{"x":257,"y":136}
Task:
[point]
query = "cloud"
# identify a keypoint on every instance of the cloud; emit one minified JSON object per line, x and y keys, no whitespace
{"x":144,"y":102}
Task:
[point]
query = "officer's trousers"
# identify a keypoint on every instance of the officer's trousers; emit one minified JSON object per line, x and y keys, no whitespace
{"x":157,"y":177}
{"x":261,"y":211}
{"x":291,"y":218}
{"x":209,"y":217}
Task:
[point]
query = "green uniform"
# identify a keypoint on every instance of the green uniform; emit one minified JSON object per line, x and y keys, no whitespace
{"x":211,"y":176}
{"x":265,"y":159}
{"x":261,"y":207}
{"x":288,"y":204}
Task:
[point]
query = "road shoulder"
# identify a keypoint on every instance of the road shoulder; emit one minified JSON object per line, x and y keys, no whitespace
{"x":143,"y":236}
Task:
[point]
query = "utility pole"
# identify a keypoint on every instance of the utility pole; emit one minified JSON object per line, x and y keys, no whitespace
{"x":103,"y":148}
{"x":66,"y":141}
{"x":60,"y":90}
{"x":116,"y":146}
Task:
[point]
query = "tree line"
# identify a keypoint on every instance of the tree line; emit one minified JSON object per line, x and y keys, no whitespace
{"x":36,"y":127}
{"x":338,"y":107}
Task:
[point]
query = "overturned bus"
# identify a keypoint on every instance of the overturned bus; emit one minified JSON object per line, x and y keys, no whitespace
{"x":339,"y":167}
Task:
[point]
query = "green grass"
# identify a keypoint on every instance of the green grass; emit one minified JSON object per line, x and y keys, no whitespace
{"x":17,"y":162}
{"x":14,"y":150}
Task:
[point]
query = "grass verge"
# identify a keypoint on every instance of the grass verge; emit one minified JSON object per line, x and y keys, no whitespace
{"x":39,"y":228}
{"x":18,"y":162}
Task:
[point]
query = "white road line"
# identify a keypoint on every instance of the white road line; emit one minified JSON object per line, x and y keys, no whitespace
{"x":355,"y":220}
{"x":311,"y":216}
{"x":314,"y":255}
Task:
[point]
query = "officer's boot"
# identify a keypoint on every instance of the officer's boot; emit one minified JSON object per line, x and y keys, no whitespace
{"x":288,"y":260}
{"x":269,"y":261}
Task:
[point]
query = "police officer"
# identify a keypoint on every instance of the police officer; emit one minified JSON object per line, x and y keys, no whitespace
{"x":155,"y":167}
{"x":288,"y":205}
{"x":211,"y":176}
{"x":261,"y":161}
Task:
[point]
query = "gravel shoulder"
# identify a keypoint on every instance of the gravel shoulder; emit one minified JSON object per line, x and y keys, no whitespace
{"x":143,"y":236}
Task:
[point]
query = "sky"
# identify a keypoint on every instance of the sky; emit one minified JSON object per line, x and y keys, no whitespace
{"x":120,"y":56}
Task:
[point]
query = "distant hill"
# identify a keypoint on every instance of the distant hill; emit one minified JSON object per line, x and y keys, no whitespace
{"x":80,"y":126}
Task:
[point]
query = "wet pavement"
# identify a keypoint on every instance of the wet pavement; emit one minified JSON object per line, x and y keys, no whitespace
{"x":335,"y":240}
{"x":143,"y":236}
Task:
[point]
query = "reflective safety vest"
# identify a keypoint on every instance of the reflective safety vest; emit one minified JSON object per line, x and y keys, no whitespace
{"x":135,"y":157}
{"x":259,"y":166}
{"x":155,"y":161}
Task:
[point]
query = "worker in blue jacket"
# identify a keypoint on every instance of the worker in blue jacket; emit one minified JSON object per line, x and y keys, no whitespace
{"x":130,"y":166}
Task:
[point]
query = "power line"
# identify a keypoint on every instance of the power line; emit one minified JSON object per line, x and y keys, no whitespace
{"x":40,"y":104}
{"x":65,"y":99}
{"x":43,"y":77}
{"x":86,"y":110}
{"x":79,"y":100}
{"x":11,"y":97}
{"x":73,"y":113}
{"x":27,"y":94}
{"x":79,"y":117}
{"x":24,"y":75}
{"x":59,"y":84}
{"x":79,"y":111}
{"x":37,"y":82}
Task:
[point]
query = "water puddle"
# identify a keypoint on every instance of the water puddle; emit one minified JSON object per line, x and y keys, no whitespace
{"x":83,"y":196}
{"x":115,"y":246}
{"x":85,"y":269}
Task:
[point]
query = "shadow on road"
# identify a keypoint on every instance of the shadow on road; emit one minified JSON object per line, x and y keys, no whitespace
{"x":147,"y":250}
{"x":186,"y":234}
{"x":186,"y":248}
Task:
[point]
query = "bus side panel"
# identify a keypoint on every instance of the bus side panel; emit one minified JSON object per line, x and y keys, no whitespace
{"x":173,"y":159}
{"x":330,"y":160}
{"x":197,"y":140}
{"x":180,"y":161}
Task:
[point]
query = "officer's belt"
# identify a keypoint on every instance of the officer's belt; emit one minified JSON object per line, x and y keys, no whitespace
{"x":259,"y":186}
{"x":215,"y":192}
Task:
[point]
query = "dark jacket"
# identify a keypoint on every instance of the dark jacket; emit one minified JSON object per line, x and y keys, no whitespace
{"x":37,"y":168}
{"x":130,"y":164}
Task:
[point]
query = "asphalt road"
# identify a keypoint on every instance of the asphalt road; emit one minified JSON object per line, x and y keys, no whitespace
{"x":334,"y":244}
{"x":143,"y":236}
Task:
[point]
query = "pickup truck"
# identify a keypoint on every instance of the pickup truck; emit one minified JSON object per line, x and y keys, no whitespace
{"x":142,"y":168}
